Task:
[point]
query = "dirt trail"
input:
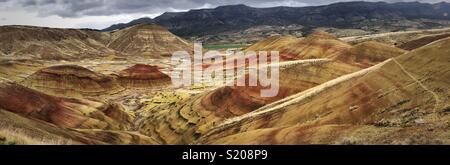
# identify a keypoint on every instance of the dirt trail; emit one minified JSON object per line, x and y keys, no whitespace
{"x":436,"y":96}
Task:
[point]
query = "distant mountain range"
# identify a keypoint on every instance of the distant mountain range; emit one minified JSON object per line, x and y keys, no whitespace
{"x":369,"y":16}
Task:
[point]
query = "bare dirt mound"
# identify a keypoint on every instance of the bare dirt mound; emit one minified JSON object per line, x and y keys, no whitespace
{"x":72,"y":80}
{"x":319,"y":44}
{"x":369,"y":53}
{"x":417,"y":43}
{"x":143,"y":76}
{"x":148,"y":40}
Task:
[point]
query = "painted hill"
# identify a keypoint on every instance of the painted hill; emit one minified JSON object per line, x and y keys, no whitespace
{"x":148,"y":40}
{"x":185,"y":121}
{"x":369,"y":53}
{"x":273,"y":43}
{"x":318,"y":44}
{"x":143,"y":76}
{"x":52,"y":44}
{"x":63,"y":112}
{"x":276,"y":43}
{"x":72,"y":80}
{"x":19,"y":130}
{"x":27,"y":42}
{"x":399,"y":101}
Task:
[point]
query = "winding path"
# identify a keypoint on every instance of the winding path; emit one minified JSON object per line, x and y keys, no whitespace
{"x":436,"y":96}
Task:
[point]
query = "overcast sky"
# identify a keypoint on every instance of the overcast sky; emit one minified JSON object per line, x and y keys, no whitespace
{"x":102,"y":13}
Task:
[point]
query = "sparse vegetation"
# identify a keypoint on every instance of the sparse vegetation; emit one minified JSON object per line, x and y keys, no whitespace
{"x":224,"y":46}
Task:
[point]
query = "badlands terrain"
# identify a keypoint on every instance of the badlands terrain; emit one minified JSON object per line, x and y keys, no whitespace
{"x":81,"y":86}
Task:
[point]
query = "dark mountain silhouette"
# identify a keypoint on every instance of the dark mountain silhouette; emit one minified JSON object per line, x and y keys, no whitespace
{"x":354,"y":15}
{"x":144,"y":20}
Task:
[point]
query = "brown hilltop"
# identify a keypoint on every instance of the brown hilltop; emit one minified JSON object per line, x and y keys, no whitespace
{"x":422,"y":41}
{"x":275,"y":43}
{"x":143,"y":76}
{"x":148,"y":40}
{"x":319,"y":44}
{"x":400,"y":101}
{"x":322,"y":35}
{"x":72,"y":80}
{"x":63,"y":112}
{"x":369,"y":53}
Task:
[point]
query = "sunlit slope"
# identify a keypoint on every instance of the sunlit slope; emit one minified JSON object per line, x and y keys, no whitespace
{"x":319,"y":44}
{"x":148,"y":40}
{"x":401,"y":101}
{"x":369,"y":53}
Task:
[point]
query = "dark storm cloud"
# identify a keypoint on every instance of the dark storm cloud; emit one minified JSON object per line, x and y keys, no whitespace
{"x":79,"y":8}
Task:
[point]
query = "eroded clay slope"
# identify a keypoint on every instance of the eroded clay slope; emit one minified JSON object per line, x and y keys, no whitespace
{"x":63,"y":112}
{"x":52,"y":43}
{"x":27,"y":42}
{"x":143,"y":76}
{"x":72,"y":80}
{"x":183,"y":122}
{"x":369,"y":53}
{"x":404,"y":100}
{"x":148,"y":41}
